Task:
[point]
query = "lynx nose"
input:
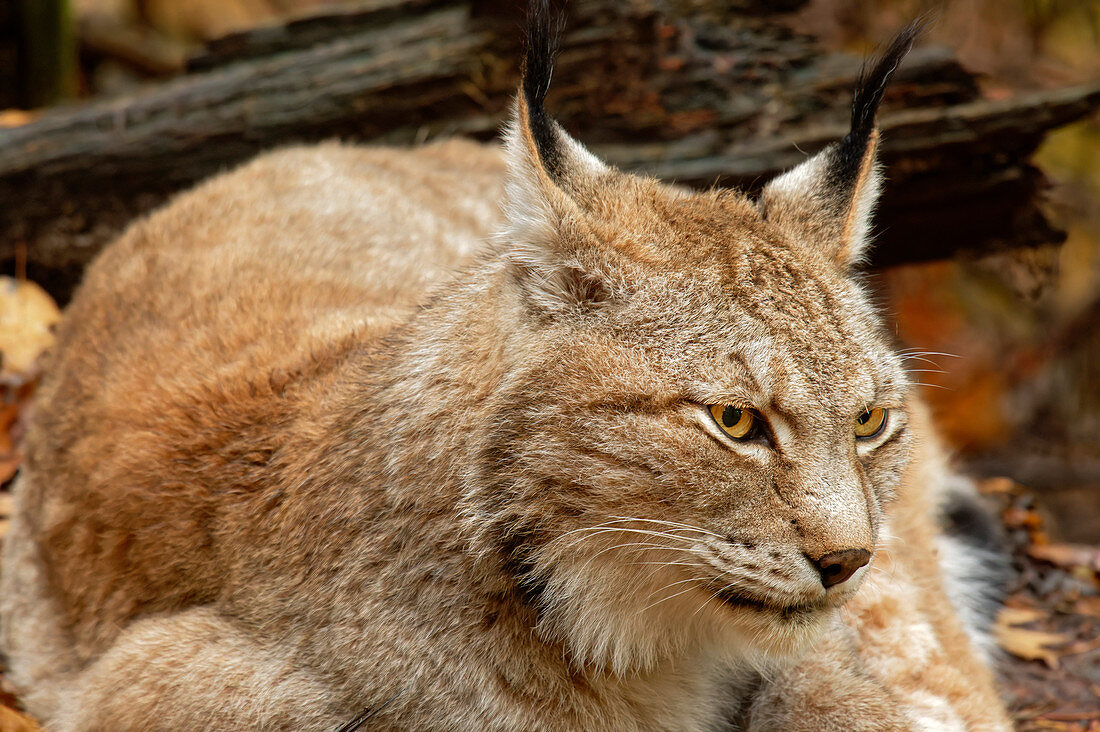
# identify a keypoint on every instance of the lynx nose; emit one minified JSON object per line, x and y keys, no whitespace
{"x":835,"y":567}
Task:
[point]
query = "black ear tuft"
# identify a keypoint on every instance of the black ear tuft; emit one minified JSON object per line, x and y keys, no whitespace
{"x":829,"y":199}
{"x":871,"y":85}
{"x":544,"y":26}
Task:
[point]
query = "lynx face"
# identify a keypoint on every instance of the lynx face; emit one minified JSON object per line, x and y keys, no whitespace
{"x":704,"y":421}
{"x":635,"y":500}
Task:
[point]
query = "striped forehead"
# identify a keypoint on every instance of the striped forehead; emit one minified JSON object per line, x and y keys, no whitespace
{"x":782,"y":377}
{"x":786,"y":331}
{"x":813,"y":349}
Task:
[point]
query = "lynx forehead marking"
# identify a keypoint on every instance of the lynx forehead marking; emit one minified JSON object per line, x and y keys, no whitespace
{"x":787,"y":377}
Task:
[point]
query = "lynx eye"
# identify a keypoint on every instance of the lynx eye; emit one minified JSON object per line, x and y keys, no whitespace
{"x":738,"y":423}
{"x":871,"y":423}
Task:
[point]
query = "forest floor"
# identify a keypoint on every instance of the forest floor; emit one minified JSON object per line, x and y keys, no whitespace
{"x":1050,"y":626}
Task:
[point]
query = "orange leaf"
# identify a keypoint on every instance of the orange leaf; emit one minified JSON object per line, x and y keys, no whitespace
{"x":13,"y":721}
{"x":1067,"y":556}
{"x":10,"y":455}
{"x":998,"y":486}
{"x":1031,"y":645}
{"x":27,"y":316}
{"x":16,"y":118}
{"x":1087,"y":606}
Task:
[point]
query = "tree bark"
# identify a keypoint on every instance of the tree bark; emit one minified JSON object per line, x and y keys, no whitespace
{"x":697,"y":91}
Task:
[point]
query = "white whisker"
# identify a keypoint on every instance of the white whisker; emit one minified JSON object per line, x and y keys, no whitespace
{"x":596,"y":530}
{"x":910,"y":352}
{"x":716,"y":594}
{"x":920,"y":358}
{"x":687,"y":527}
{"x":932,"y":386}
{"x":681,"y":592}
{"x":638,"y":544}
{"x":666,"y":564}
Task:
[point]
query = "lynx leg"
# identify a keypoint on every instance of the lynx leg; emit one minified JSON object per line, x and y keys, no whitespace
{"x":195,"y":670}
{"x":826,"y":693}
{"x":38,"y":651}
{"x":900,"y":661}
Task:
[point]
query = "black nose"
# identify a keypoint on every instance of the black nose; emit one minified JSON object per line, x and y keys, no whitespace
{"x":835,"y":567}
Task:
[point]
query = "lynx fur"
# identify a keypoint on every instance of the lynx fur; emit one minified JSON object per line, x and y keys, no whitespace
{"x":420,"y":440}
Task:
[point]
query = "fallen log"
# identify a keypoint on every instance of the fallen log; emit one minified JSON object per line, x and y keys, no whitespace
{"x":695,"y":91}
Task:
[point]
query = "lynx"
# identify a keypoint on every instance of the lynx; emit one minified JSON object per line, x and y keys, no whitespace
{"x":477,"y":438}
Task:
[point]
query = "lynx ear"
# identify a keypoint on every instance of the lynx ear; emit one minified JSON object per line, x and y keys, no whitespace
{"x":827,"y":201}
{"x":550,"y":177}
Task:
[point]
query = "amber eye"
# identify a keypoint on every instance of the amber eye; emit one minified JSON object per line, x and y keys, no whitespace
{"x":871,"y":423}
{"x":738,"y":423}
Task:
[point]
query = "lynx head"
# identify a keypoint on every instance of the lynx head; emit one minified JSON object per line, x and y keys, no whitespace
{"x":703,"y":420}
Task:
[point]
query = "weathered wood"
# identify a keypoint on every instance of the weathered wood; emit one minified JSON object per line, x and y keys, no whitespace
{"x":300,"y":33}
{"x":690,"y":90}
{"x":950,"y":187}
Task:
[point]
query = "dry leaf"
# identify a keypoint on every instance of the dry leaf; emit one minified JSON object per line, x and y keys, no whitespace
{"x":1082,"y":646}
{"x":1087,"y":606}
{"x":1031,"y":645}
{"x":16,"y":117}
{"x":1067,"y":556}
{"x":9,"y":413}
{"x":998,"y":486}
{"x":1019,"y":615}
{"x":27,"y":316}
{"x":10,"y":457}
{"x":1021,"y":518}
{"x":13,"y":721}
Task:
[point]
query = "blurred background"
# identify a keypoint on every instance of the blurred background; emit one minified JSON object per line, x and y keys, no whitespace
{"x":988,"y":265}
